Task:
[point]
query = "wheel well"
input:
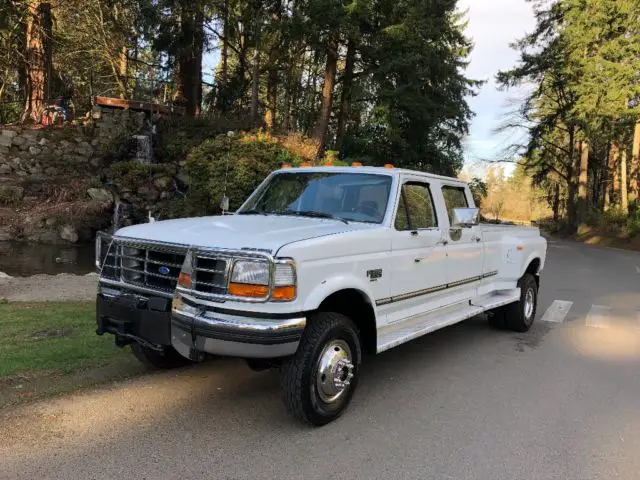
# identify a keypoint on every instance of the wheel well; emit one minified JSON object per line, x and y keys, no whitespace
{"x":355,"y":305}
{"x":533,"y":269}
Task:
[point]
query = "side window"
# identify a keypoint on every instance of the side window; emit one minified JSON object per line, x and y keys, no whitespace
{"x":454,"y":197}
{"x":415,"y":209}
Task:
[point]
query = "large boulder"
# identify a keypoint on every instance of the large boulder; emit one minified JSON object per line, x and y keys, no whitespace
{"x":9,"y":133}
{"x":11,"y":191}
{"x":101,"y":195}
{"x":69,"y":233}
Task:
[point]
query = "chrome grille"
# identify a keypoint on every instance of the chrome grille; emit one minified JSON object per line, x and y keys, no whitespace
{"x":210,"y":274}
{"x":153,"y":267}
{"x":110,"y":263}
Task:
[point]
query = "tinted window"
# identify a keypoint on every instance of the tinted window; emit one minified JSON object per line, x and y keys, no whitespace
{"x":454,"y":197}
{"x":415,"y":209}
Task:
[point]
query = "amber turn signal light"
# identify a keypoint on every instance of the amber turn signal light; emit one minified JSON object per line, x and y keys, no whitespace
{"x":184,"y":280}
{"x":248,"y":290}
{"x":284,"y":293}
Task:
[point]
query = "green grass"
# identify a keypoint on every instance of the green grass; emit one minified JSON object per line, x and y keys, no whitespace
{"x":75,"y":346}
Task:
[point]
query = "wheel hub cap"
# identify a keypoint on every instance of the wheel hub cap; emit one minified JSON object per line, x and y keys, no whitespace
{"x":528,"y":304}
{"x":334,"y":372}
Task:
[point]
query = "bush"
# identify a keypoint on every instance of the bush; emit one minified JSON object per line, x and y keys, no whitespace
{"x":177,"y":136}
{"x":232,"y":165}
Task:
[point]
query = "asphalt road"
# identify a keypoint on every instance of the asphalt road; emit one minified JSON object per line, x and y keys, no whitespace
{"x":559,"y":402}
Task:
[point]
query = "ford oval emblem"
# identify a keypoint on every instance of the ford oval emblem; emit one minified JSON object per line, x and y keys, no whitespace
{"x":164,"y":270}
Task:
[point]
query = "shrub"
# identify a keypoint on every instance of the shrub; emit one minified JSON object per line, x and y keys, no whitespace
{"x":234,"y":166}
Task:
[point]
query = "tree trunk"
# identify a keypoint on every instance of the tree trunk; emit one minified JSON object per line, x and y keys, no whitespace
{"x":556,"y":203}
{"x":189,"y":72}
{"x":624,"y":199}
{"x":572,"y":184}
{"x":272,"y":95}
{"x":198,"y":48}
{"x":583,"y":182}
{"x":38,"y":24}
{"x":255,"y":88}
{"x":123,"y":72}
{"x":614,"y":157}
{"x":224,"y":75}
{"x":635,"y":164}
{"x":345,"y":100}
{"x":322,"y":125}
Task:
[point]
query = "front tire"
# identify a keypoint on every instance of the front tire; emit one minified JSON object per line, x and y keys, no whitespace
{"x":319,"y":380}
{"x":155,"y":360}
{"x":519,"y":316}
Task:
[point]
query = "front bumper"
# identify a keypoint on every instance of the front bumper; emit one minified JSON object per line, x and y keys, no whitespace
{"x":197,"y":327}
{"x":132,"y":317}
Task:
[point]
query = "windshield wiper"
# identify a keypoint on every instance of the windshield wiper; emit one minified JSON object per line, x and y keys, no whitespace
{"x":311,"y":213}
{"x":252,"y":212}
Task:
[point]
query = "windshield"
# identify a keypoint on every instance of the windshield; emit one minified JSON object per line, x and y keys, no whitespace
{"x":343,"y":196}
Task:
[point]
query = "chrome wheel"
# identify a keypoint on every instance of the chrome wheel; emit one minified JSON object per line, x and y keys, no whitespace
{"x":529,"y":303}
{"x":334,"y":371}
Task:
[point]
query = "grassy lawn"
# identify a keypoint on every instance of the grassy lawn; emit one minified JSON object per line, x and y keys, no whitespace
{"x":57,"y":336}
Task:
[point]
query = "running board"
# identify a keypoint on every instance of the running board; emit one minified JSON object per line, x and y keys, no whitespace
{"x":414,"y":327}
{"x":398,"y":333}
{"x":497,"y":299}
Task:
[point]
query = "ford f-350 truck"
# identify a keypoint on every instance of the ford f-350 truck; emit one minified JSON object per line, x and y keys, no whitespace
{"x":318,"y":266}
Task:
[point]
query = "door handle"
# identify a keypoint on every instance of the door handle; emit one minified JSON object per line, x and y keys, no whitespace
{"x":477,"y":239}
{"x":442,"y":241}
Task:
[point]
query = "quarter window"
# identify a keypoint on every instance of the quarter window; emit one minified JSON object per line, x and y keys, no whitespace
{"x":454,"y":197}
{"x":415,"y":210}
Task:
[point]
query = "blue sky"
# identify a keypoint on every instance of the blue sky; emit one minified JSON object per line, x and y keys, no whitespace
{"x":492,"y":25}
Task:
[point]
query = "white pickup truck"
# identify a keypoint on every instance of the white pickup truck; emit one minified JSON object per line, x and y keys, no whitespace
{"x":317,"y":267}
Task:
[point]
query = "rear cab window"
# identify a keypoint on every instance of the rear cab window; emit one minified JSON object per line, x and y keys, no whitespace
{"x":454,"y":197}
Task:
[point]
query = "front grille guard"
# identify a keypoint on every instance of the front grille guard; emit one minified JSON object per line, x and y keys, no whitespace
{"x":192,"y":252}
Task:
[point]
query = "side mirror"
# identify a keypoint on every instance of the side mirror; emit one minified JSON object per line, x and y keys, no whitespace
{"x":465,"y":217}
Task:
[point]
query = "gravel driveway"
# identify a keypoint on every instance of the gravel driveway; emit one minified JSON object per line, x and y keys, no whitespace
{"x":45,"y":288}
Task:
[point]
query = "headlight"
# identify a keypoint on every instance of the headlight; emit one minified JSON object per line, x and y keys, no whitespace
{"x":250,"y":273}
{"x":250,"y":278}
{"x":101,"y":249}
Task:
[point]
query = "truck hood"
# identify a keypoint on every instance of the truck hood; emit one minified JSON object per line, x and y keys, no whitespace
{"x":267,"y":233}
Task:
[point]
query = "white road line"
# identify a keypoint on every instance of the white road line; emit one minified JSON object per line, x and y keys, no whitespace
{"x":557,"y":312}
{"x":599,"y":316}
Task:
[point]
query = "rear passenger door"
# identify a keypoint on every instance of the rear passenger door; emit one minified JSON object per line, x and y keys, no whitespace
{"x":464,"y":266}
{"x":418,"y":253}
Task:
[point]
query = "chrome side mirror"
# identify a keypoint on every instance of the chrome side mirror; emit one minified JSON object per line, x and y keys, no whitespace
{"x":465,"y":217}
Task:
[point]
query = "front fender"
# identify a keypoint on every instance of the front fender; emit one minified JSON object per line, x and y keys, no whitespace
{"x":335,"y":284}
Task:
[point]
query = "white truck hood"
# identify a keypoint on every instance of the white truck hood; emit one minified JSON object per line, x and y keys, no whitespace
{"x":239,"y":231}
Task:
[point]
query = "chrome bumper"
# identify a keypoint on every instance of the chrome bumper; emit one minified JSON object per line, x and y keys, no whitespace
{"x":197,"y":328}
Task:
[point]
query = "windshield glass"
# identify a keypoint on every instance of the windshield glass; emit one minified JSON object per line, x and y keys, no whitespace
{"x":344,"y":196}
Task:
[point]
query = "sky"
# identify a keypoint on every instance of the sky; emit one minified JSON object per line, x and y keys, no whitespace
{"x":492,"y":25}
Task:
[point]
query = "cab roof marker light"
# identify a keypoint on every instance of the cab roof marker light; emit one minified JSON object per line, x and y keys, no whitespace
{"x":356,"y":164}
{"x":388,"y":165}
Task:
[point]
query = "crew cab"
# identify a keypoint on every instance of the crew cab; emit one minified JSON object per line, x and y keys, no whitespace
{"x":318,"y":266}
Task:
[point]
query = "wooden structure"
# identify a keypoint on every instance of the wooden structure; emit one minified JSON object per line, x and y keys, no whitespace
{"x":139,"y":106}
